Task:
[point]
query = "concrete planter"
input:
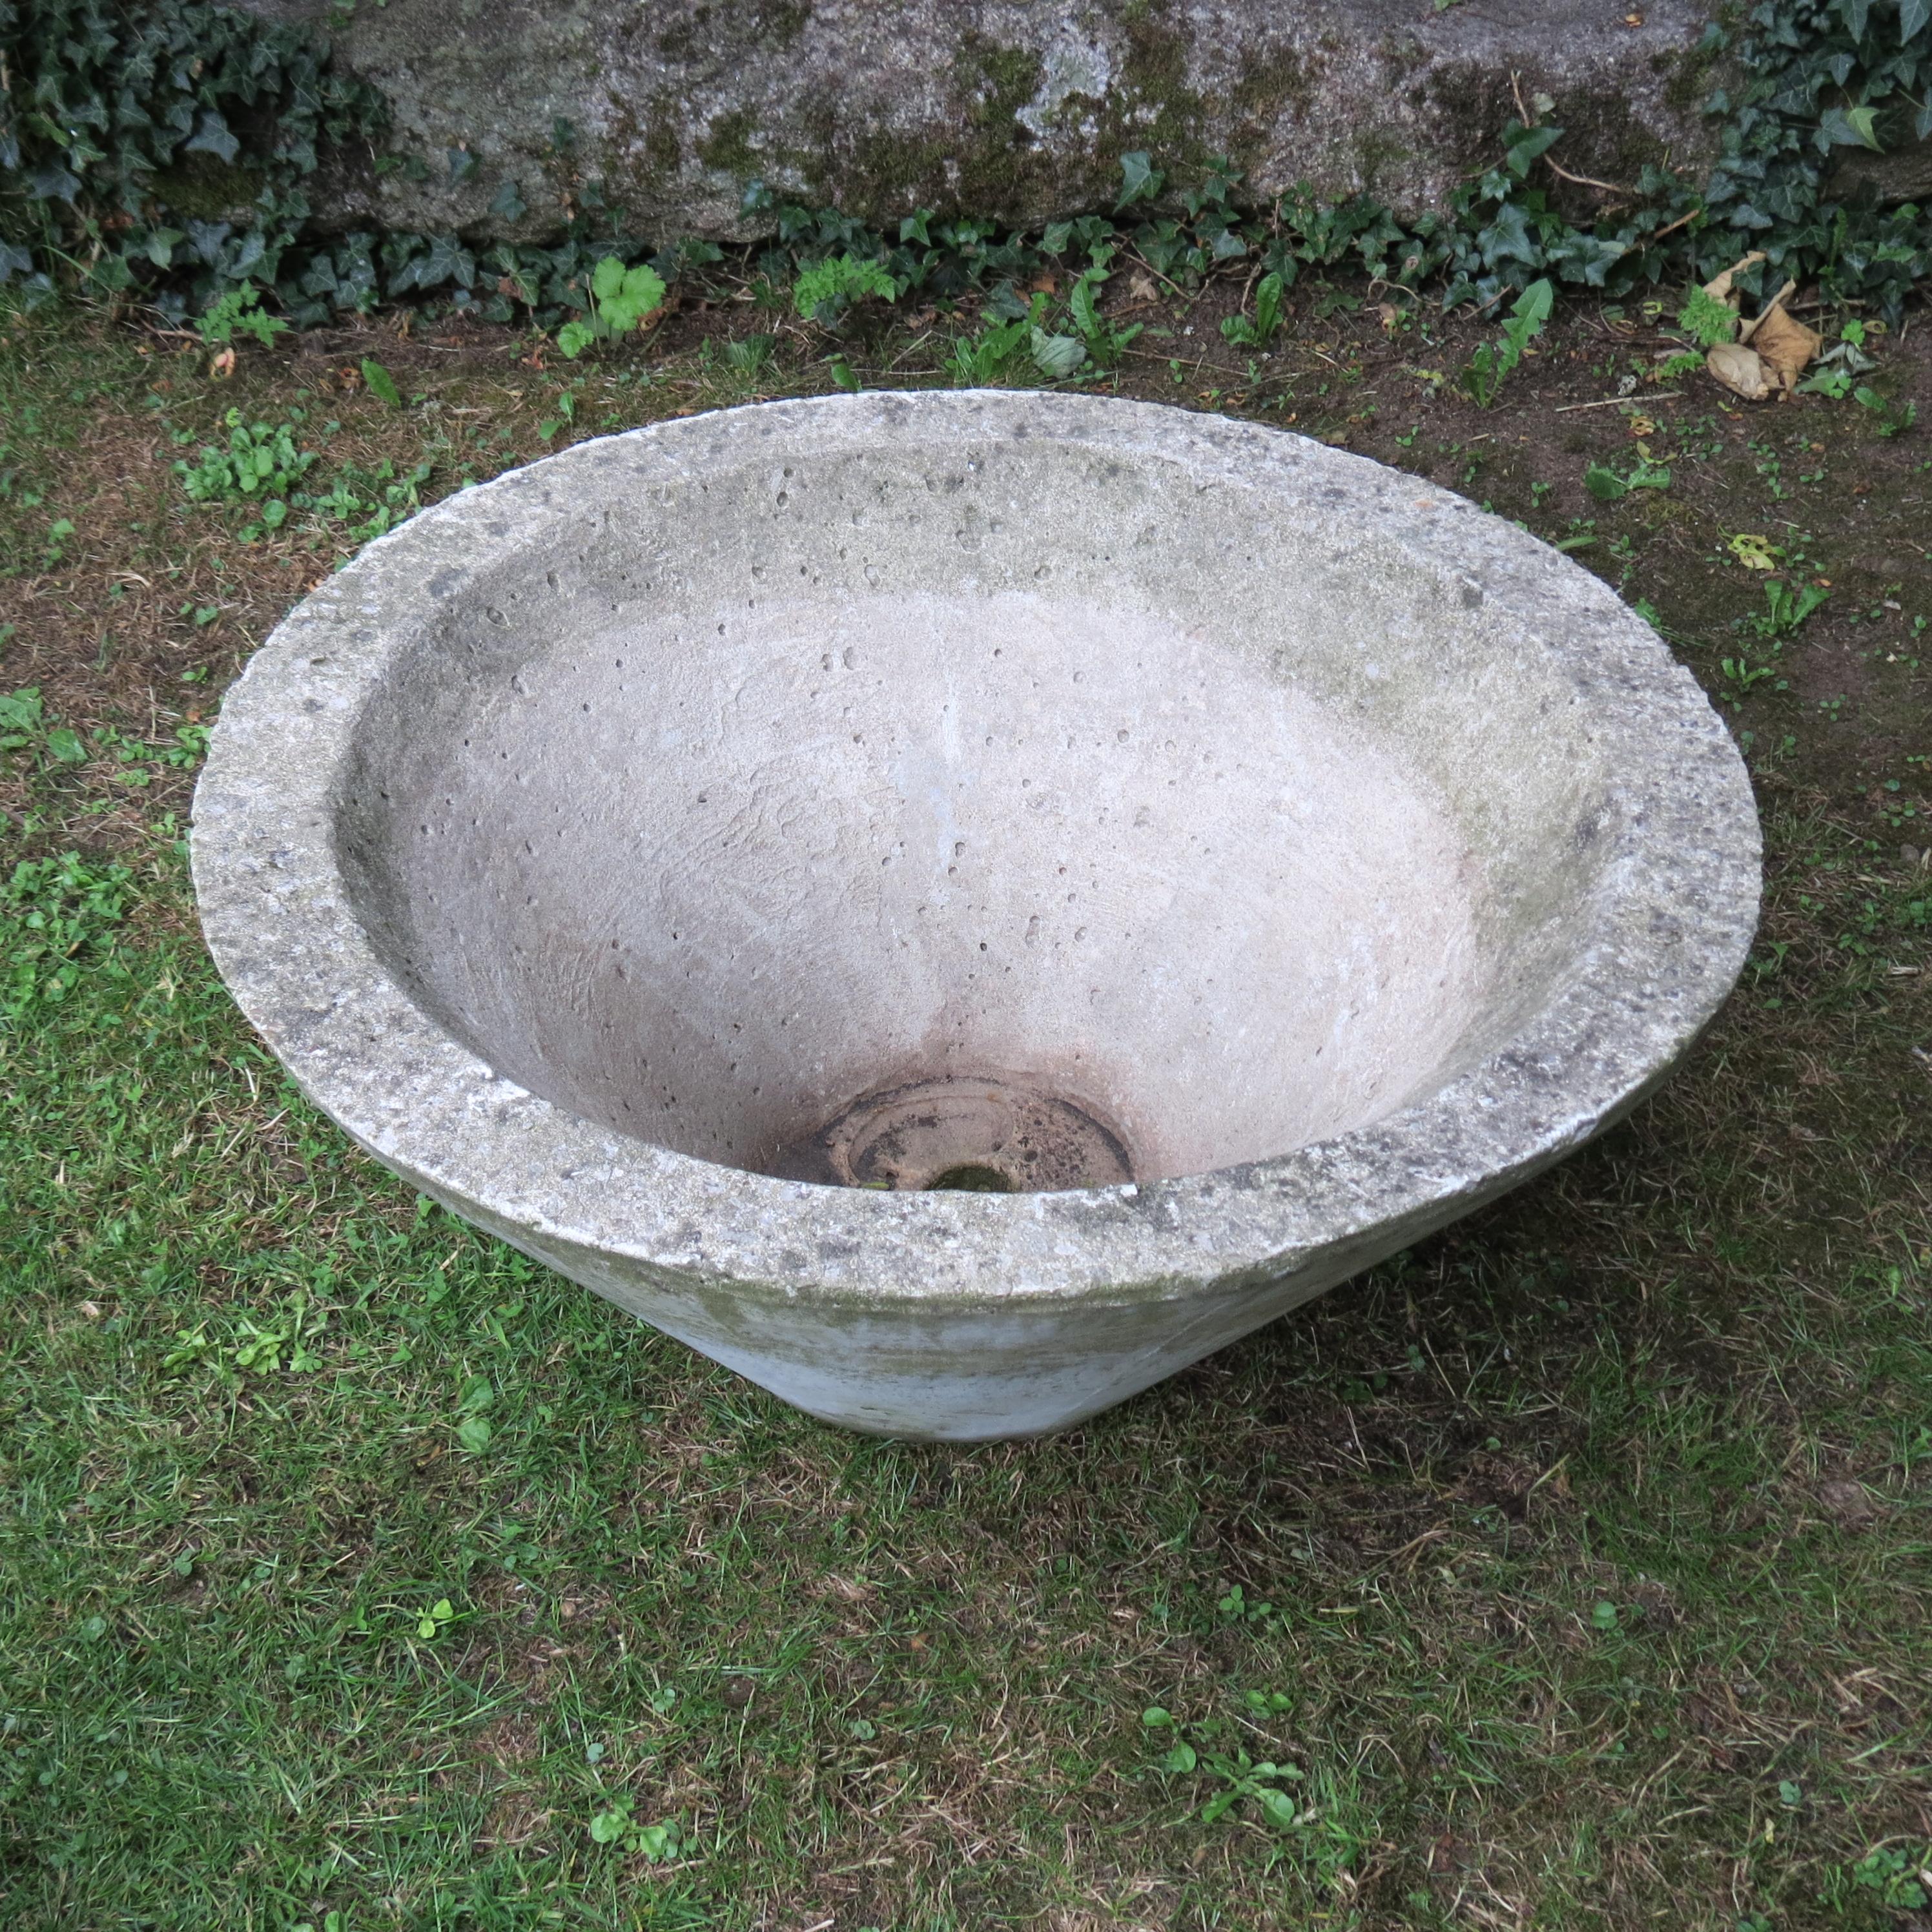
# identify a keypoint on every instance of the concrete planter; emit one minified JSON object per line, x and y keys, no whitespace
{"x":1251,"y":857}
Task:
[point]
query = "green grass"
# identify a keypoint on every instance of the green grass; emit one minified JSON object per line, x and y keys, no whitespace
{"x":1578,"y":1561}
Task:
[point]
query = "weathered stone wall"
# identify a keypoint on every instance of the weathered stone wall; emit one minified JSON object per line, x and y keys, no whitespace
{"x":1014,"y":109}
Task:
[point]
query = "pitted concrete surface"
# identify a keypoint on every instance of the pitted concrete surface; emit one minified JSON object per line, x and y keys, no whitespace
{"x":1209,"y":860}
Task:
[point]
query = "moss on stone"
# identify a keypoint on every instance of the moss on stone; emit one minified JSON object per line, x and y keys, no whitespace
{"x":709,"y":30}
{"x":996,"y":82}
{"x":1270,"y":84}
{"x":728,"y":145}
{"x":1154,"y":75}
{"x":1383,"y":163}
{"x":204,"y":188}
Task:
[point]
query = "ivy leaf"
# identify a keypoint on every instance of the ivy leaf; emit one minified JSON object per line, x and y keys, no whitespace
{"x":1913,"y":16}
{"x":1850,"y":127}
{"x":53,"y":183}
{"x":1855,"y":13}
{"x":1140,"y":180}
{"x":509,"y":202}
{"x":1507,"y":238}
{"x":212,"y":137}
{"x":448,"y":261}
{"x":462,"y":164}
{"x":1524,"y":144}
{"x":1005,"y":304}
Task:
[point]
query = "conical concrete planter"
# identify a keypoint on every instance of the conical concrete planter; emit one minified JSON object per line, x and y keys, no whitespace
{"x":719,"y":859}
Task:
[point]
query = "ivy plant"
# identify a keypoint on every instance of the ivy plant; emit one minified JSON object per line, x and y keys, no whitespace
{"x":163,"y":149}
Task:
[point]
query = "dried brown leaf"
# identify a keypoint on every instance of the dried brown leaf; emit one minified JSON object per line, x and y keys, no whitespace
{"x":1718,"y":288}
{"x":1741,"y":370}
{"x":1749,"y":328}
{"x":1785,"y":346}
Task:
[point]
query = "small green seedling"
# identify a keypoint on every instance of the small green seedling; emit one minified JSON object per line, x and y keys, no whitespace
{"x":259,"y":467}
{"x":1902,"y":1883}
{"x":1259,"y":331}
{"x":1608,"y":486}
{"x":240,"y":309}
{"x":20,"y":717}
{"x":621,"y":299}
{"x":431,"y":1623}
{"x":749,"y":356}
{"x":1894,"y":418}
{"x":1489,"y":367}
{"x":1786,"y":606}
{"x":56,"y":915}
{"x":1242,"y":1778}
{"x":616,"y":1825}
{"x":1105,"y":341}
{"x":826,"y":290}
{"x":1707,"y":321}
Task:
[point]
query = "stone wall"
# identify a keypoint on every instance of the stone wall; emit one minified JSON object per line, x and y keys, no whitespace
{"x":1018,"y":109}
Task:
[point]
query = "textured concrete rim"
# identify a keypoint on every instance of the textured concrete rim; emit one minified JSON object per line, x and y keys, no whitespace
{"x":1672,"y":919}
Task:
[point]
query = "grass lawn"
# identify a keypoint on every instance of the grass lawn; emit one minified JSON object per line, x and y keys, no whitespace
{"x":1571,"y":1570}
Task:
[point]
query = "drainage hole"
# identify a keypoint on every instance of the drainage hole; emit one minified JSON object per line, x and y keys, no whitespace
{"x":971,"y":1177}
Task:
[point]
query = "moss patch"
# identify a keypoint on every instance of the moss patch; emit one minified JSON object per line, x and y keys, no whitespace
{"x":204,"y":188}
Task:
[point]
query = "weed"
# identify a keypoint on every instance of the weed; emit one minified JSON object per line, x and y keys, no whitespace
{"x":750,"y":356}
{"x":57,"y":917}
{"x":370,"y":501}
{"x":1608,"y":485}
{"x":621,"y":299}
{"x":1489,"y":367}
{"x":1900,"y":1883}
{"x":380,"y":383}
{"x":995,"y":352}
{"x":824,"y":291}
{"x":1707,"y":321}
{"x":1894,"y":417}
{"x":1258,"y":332}
{"x":1786,"y":606}
{"x":1105,"y":342}
{"x":238,"y":310}
{"x":25,"y":727}
{"x":260,"y":465}
{"x":615,"y":1825}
